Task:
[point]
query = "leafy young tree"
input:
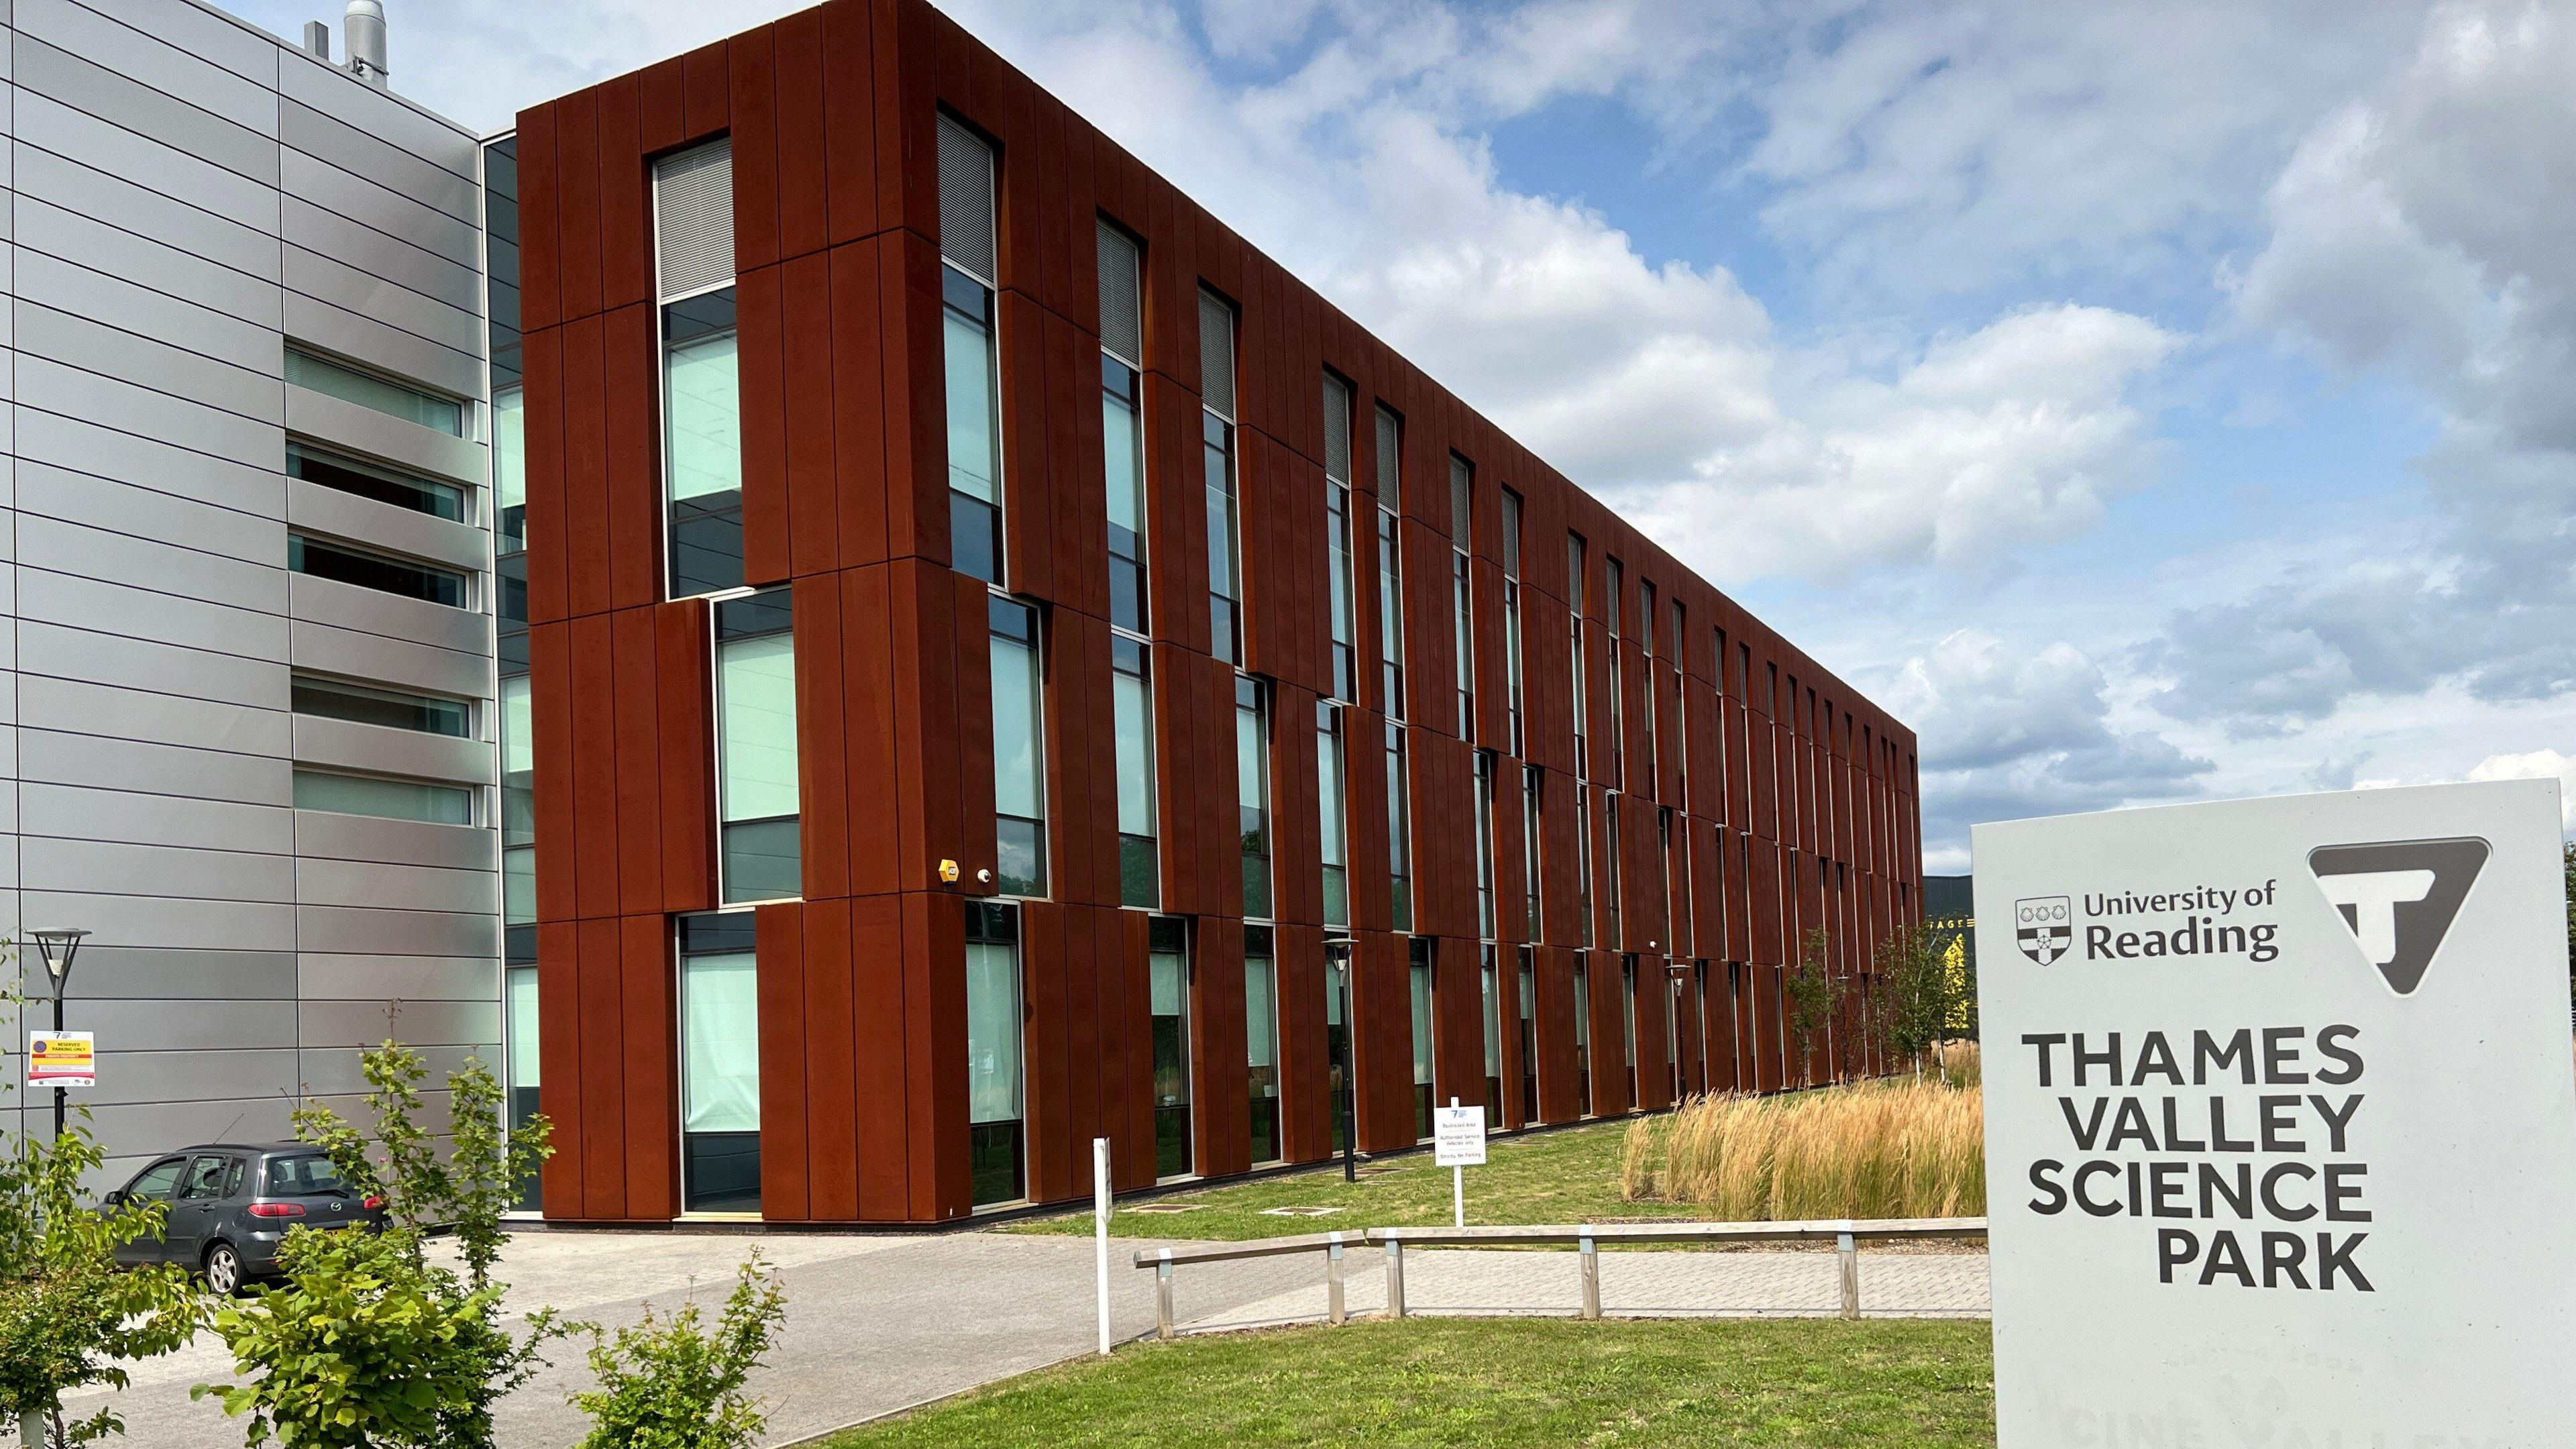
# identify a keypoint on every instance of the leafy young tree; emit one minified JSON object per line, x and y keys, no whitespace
{"x":667,"y":1383}
{"x":1815,"y":998}
{"x":69,"y":1318}
{"x":1915,"y":1013}
{"x":370,"y":1343}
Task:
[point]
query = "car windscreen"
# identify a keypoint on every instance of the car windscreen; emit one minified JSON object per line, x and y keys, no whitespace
{"x":304,"y":1176}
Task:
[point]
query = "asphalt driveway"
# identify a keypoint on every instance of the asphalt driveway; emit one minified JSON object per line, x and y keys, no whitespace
{"x":874,"y":1323}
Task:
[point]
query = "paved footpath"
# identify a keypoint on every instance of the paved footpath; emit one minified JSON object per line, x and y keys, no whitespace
{"x":1654,"y":1284}
{"x":876,"y":1323}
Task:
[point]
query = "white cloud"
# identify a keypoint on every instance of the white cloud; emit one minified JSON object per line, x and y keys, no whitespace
{"x":2536,"y":765}
{"x":2011,"y":731}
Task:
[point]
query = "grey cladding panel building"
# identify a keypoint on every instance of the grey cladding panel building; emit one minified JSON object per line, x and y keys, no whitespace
{"x":247,"y":716}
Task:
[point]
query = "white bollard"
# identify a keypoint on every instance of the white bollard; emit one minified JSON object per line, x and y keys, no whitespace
{"x":1100,"y":1227}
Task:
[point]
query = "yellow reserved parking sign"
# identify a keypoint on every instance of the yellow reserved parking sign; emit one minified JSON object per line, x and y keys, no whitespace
{"x":62,"y":1059}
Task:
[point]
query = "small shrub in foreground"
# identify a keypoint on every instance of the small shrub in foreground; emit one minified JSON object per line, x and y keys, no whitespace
{"x":667,"y":1383}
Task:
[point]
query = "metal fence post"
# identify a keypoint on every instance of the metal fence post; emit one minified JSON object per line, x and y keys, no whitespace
{"x":1395,"y":1277}
{"x":1333,"y":1282}
{"x":1163,"y":1296}
{"x":1848,"y":1251}
{"x":1588,"y":1253}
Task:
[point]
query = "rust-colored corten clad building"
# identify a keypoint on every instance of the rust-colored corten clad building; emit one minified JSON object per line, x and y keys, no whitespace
{"x":1013,"y":665}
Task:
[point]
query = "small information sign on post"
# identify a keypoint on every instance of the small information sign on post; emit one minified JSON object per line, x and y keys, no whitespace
{"x":62,"y":1059}
{"x":1458,"y":1143}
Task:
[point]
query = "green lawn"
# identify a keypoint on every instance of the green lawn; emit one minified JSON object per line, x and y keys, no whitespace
{"x":1570,"y":1176}
{"x":1875,"y":1385}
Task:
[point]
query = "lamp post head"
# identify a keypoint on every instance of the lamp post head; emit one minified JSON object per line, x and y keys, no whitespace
{"x":58,"y":947}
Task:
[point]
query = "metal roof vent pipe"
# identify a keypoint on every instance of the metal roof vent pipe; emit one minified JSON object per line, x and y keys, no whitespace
{"x":362,"y":27}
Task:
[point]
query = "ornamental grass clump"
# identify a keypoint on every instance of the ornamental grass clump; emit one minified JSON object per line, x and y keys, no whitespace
{"x":1881,"y":1150}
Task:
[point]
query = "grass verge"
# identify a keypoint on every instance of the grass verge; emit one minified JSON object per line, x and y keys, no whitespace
{"x":1874,"y":1385}
{"x":1570,"y":1176}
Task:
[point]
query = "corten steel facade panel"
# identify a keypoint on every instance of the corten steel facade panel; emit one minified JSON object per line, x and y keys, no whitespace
{"x":1786,"y":816}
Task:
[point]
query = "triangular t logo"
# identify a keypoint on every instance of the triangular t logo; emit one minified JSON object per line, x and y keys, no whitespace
{"x":2399,"y":897}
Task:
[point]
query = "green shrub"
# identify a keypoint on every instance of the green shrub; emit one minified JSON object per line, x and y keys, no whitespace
{"x":667,"y":1383}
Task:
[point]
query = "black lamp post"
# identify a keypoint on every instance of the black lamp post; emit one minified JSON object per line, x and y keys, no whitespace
{"x":1337,"y":950}
{"x":58,"y":948}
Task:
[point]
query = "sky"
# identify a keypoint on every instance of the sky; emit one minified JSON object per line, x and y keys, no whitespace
{"x":2147,"y":403}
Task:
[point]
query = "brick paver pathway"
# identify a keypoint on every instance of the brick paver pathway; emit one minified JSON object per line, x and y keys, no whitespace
{"x":1662,"y":1283}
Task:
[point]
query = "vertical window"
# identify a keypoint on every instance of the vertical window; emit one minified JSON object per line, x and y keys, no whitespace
{"x":1583,"y":859}
{"x":1485,"y":844}
{"x":1216,"y":439}
{"x":967,"y":278}
{"x":1673,"y":1033}
{"x":518,"y":806}
{"x":1399,"y":842}
{"x":1390,"y":561}
{"x":1131,"y":691}
{"x":1332,"y":801}
{"x":1582,"y":696}
{"x":1532,"y":781}
{"x":1699,"y":1019}
{"x":1462,"y":542}
{"x":1512,"y":614}
{"x":1424,"y":1035}
{"x":1493,"y":989}
{"x":1664,"y":856}
{"x":995,"y":1090}
{"x":1252,"y":792}
{"x":1019,"y":751}
{"x":1614,"y":846}
{"x":1337,"y":1036}
{"x":1529,"y":1034}
{"x":520,"y":1061}
{"x":1681,"y":701}
{"x":1168,"y":984}
{"x":1628,"y":1027}
{"x":756,"y":746}
{"x":1582,"y":1040}
{"x":1618,"y":773}
{"x":1337,"y":529}
{"x":510,"y":468}
{"x":1261,"y":1040}
{"x":1122,"y":430}
{"x":701,"y":392}
{"x":1646,"y":617}
{"x":719,"y":1065}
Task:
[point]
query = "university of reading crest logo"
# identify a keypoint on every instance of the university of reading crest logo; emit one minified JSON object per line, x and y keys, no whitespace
{"x":2044,"y":927}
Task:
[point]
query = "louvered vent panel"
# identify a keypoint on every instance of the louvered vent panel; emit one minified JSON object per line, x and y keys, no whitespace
{"x":693,"y":195}
{"x":966,"y":201}
{"x":1337,"y":429}
{"x":1122,"y":313}
{"x":1216,"y":353}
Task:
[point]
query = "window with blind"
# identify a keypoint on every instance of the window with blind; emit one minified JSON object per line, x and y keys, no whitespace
{"x":1337,"y":536}
{"x":1122,"y":431}
{"x":760,"y":856}
{"x":1019,"y":750}
{"x":968,"y":276}
{"x":996,"y":1082}
{"x":701,"y":378}
{"x":719,"y":1064}
{"x":1390,"y":561}
{"x":1462,"y":486}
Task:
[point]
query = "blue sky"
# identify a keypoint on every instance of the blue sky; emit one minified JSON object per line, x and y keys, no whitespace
{"x":2147,"y":402}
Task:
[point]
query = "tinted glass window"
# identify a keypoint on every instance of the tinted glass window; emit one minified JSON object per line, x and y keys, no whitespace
{"x":370,"y":480}
{"x":389,"y":799}
{"x":393,"y":708}
{"x":233,"y":1175}
{"x":304,"y":1176}
{"x":205,"y":1178}
{"x":374,"y":571}
{"x":367,"y":390}
{"x":159,"y":1180}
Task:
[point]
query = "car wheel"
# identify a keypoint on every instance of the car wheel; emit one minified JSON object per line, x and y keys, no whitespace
{"x":223,"y":1270}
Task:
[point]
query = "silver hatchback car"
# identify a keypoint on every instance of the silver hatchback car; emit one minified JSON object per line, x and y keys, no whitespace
{"x":230,"y":1205}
